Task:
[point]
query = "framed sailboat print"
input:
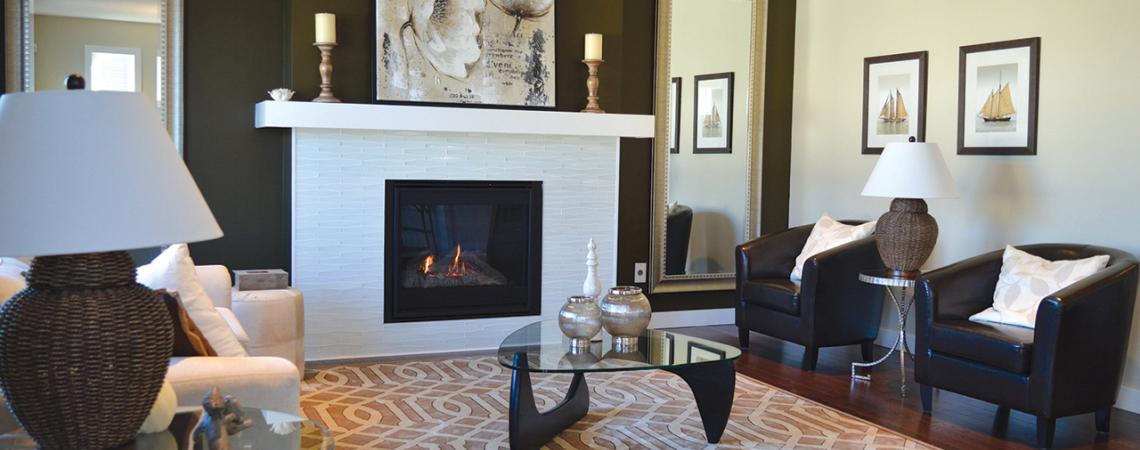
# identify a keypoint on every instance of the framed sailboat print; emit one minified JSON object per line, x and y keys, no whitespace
{"x":712,"y":113}
{"x":894,"y":100}
{"x":997,"y":98}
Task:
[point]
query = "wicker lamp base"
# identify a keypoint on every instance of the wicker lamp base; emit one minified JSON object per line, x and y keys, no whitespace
{"x":83,"y":351}
{"x":905,"y":236}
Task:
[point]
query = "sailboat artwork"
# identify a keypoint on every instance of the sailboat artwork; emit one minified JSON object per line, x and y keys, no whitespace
{"x":712,"y":123}
{"x":998,"y":106}
{"x":894,"y":109}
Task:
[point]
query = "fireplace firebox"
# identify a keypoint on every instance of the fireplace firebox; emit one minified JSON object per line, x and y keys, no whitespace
{"x":462,"y":249}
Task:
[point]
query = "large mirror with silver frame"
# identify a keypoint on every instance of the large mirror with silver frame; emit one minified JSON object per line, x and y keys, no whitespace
{"x":116,"y":45}
{"x":709,"y":90}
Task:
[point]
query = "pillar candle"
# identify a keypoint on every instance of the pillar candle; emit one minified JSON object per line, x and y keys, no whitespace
{"x":593,"y":46}
{"x":326,"y":28}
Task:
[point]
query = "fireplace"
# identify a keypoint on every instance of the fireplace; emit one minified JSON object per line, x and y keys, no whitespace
{"x":462,"y":249}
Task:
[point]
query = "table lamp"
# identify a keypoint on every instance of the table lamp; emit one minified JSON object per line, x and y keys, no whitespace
{"x":83,"y":177}
{"x":909,"y":172}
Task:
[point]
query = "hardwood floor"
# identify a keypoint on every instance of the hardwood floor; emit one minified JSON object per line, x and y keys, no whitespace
{"x":958,"y":422}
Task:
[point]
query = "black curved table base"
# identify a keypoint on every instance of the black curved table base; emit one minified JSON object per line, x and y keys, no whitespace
{"x":713,"y":385}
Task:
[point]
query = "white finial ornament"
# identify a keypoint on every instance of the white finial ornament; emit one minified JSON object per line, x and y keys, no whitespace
{"x":592,"y":286}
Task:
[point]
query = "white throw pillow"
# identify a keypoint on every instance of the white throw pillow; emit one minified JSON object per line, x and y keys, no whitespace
{"x":11,"y":277}
{"x":827,"y":234}
{"x":173,"y":270}
{"x":1027,"y":279}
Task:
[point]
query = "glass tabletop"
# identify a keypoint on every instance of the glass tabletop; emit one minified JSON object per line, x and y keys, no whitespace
{"x":270,"y":430}
{"x":885,"y":278}
{"x":546,"y":349}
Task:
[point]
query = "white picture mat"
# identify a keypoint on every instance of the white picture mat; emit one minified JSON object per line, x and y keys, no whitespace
{"x":976,"y":97}
{"x":875,"y":100}
{"x":711,"y":92}
{"x":671,"y":125}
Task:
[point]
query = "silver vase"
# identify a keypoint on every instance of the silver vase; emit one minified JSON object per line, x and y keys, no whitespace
{"x":625,"y":315}
{"x":580,"y":319}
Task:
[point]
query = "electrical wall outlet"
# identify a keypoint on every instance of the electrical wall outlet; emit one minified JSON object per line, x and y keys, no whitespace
{"x":639,"y":272}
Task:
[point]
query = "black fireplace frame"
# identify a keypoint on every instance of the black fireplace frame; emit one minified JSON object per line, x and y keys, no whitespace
{"x":392,"y":265}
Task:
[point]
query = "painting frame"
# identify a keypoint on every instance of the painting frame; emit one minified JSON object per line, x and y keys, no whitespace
{"x":728,"y":79}
{"x":899,"y":62}
{"x":1018,"y":53}
{"x":375,"y":78}
{"x":694,"y":358}
{"x":675,"y":96}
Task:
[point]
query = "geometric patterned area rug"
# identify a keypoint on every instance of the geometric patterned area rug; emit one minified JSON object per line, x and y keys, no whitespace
{"x":461,"y":403}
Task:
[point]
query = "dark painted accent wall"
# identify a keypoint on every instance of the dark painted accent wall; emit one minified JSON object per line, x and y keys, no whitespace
{"x":777,"y":156}
{"x":235,"y":51}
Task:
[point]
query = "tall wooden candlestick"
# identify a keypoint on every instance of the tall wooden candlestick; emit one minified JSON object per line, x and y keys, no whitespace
{"x":326,"y":69}
{"x":592,"y":82}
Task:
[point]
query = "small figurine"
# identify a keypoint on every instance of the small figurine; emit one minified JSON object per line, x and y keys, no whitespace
{"x":224,"y":418}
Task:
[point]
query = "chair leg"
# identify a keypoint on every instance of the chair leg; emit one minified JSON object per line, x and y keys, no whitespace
{"x":744,"y":337}
{"x":927,"y":394}
{"x":1103,"y":419}
{"x":1045,"y":428}
{"x":811,"y":354}
{"x":868,"y":349}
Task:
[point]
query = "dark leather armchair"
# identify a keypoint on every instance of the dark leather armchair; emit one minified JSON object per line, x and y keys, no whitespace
{"x":678,"y":232}
{"x":1071,"y":363}
{"x":830,"y":307}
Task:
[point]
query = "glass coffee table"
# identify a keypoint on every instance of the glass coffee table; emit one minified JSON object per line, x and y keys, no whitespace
{"x":707,"y":367}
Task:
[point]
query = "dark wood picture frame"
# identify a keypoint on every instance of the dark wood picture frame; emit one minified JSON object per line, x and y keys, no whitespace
{"x":374,"y":18}
{"x":727,"y":113}
{"x":676,"y":122}
{"x":922,"y":57}
{"x":1034,"y":45}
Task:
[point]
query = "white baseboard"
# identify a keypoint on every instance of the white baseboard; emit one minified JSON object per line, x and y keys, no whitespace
{"x":1128,"y":399}
{"x":694,"y":318}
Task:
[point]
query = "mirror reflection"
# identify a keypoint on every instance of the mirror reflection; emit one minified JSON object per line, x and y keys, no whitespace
{"x":708,"y":135}
{"x":113,"y":44}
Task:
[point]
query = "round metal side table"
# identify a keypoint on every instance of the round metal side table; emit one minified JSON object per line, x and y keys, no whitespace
{"x":903,"y":303}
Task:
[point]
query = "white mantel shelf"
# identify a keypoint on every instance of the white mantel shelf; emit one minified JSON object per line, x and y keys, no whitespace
{"x":359,"y":116}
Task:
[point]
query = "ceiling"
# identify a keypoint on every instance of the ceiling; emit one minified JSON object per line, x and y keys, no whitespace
{"x":126,"y":10}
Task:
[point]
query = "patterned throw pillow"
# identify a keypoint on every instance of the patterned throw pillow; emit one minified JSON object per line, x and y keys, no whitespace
{"x":1027,"y":279}
{"x":827,"y":234}
{"x":188,"y":339}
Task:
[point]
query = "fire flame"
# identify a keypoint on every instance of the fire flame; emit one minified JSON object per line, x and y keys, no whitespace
{"x":458,"y":268}
{"x":426,"y":266}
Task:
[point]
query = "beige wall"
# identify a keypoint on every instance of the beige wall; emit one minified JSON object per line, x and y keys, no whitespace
{"x":1081,"y":187}
{"x":60,"y":45}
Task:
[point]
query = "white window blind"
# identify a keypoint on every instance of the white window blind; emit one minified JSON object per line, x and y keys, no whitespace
{"x":113,"y":69}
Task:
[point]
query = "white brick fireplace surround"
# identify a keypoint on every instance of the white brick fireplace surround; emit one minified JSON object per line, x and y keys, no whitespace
{"x":342,"y":156}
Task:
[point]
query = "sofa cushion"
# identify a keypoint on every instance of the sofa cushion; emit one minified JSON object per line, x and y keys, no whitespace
{"x":774,"y":293}
{"x":1005,"y":347}
{"x":174,"y":271}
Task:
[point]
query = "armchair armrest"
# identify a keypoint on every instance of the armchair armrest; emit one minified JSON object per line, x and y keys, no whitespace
{"x":1081,"y":338}
{"x":275,"y":321}
{"x":832,"y":295}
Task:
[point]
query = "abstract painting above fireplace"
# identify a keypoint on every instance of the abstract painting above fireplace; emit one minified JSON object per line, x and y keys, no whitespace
{"x":462,"y":249}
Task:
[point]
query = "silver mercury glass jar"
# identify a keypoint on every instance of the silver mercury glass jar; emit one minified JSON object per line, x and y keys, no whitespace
{"x":580,"y":319}
{"x":625,"y":315}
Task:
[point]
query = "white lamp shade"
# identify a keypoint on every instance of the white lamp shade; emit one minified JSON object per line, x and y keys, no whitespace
{"x":911,"y":170}
{"x":84,"y":172}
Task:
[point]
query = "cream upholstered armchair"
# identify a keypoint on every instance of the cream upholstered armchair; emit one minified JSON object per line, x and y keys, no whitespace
{"x":269,"y":324}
